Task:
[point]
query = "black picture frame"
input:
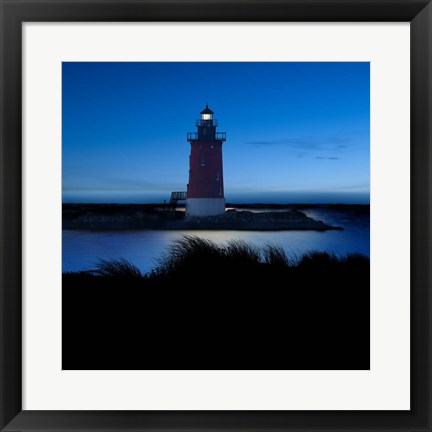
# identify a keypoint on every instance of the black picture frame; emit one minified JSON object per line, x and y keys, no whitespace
{"x":15,"y":12}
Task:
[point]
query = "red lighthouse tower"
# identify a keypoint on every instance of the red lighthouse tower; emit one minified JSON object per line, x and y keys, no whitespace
{"x":205,"y":190}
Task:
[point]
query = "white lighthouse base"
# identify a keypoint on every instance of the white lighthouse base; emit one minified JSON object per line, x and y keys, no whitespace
{"x":205,"y":206}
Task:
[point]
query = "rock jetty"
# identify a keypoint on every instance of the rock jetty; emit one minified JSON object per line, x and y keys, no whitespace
{"x":114,"y":217}
{"x":262,"y":221}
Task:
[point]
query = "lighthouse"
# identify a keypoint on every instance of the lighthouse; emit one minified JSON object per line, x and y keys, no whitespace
{"x":205,"y":190}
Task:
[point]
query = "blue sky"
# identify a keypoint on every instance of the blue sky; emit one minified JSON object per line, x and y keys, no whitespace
{"x":296,"y":132}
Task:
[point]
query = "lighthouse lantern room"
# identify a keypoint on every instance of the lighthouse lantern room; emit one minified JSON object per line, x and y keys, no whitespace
{"x":205,"y":190}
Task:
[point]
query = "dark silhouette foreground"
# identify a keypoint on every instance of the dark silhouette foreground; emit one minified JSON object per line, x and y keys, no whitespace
{"x":212,"y":307}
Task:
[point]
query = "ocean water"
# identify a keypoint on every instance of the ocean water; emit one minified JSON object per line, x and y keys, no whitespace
{"x":82,"y":249}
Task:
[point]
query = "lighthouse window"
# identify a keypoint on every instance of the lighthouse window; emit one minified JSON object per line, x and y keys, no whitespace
{"x":203,"y":161}
{"x":217,"y":176}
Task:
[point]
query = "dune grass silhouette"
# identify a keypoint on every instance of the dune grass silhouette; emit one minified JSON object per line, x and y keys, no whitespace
{"x":211,"y":306}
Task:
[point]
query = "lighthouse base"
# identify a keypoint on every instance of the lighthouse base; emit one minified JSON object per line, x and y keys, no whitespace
{"x":202,"y":207}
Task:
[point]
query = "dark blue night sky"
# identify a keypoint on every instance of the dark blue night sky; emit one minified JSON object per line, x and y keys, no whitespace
{"x":296,"y":132}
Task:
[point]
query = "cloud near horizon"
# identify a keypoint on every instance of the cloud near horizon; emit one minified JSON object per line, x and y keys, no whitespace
{"x":307,"y":145}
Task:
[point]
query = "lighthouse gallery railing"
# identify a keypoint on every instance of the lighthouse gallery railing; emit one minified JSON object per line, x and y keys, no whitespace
{"x":219,"y":136}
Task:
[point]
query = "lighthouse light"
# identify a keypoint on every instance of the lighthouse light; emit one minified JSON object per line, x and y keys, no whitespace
{"x":206,"y":116}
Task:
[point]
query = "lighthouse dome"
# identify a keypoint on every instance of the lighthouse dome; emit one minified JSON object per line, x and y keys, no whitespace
{"x":207,"y":110}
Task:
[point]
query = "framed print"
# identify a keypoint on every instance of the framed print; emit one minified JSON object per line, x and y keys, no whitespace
{"x":215,"y":215}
